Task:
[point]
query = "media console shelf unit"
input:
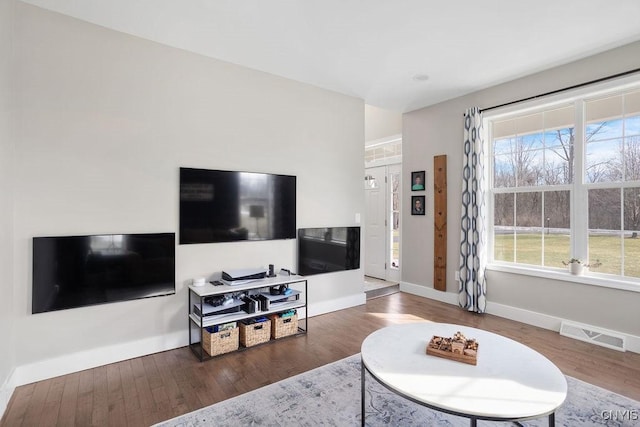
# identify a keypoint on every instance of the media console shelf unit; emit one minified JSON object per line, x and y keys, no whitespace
{"x":216,"y":315}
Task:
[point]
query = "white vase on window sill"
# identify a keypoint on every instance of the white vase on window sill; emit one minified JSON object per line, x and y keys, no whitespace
{"x":576,"y":268}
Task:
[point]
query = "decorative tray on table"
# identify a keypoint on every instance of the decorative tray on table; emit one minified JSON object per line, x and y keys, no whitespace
{"x":457,"y":348}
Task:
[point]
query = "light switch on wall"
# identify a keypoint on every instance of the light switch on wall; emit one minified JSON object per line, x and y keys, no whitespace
{"x":357,"y":218}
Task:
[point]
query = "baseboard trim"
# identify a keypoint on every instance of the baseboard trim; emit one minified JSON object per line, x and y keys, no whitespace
{"x":69,"y":363}
{"x":6,"y":391}
{"x":430,"y":293}
{"x":95,"y":357}
{"x":529,"y":317}
{"x":323,"y":307}
{"x":551,"y":323}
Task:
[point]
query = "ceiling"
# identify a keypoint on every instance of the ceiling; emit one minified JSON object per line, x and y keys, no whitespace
{"x":377,"y":50}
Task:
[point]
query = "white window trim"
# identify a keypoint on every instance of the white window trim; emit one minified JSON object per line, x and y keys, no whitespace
{"x":391,"y":160}
{"x":571,"y":96}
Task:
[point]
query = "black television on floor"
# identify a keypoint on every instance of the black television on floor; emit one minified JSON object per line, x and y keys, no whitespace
{"x":78,"y":271}
{"x":329,"y":249}
{"x":226,"y":206}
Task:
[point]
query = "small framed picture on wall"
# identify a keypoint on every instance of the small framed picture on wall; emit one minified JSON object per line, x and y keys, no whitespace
{"x":417,"y":205}
{"x":417,"y":181}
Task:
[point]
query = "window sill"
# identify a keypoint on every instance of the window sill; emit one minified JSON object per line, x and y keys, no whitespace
{"x":589,"y":278}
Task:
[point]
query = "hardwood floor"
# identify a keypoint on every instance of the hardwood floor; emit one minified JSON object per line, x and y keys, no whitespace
{"x":149,"y":389}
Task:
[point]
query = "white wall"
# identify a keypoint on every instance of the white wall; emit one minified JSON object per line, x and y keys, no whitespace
{"x":380,"y":123}
{"x":105,"y":120}
{"x":438,"y":130}
{"x":7,"y":361}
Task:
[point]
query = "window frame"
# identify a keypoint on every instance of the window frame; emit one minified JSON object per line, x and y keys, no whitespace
{"x":578,"y":188}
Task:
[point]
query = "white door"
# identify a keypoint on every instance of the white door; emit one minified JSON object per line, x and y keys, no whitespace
{"x":375,"y":238}
{"x":394,"y":204}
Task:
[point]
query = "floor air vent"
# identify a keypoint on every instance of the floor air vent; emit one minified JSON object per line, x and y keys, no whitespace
{"x":594,"y":335}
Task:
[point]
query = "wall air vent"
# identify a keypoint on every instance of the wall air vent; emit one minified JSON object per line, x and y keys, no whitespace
{"x":591,"y":334}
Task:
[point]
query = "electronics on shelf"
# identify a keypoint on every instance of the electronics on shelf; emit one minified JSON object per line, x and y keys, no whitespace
{"x":229,"y":303}
{"x":242,"y":276}
{"x":261,"y":311}
{"x":207,"y":310}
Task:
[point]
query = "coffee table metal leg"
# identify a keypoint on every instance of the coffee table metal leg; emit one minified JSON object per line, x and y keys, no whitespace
{"x":474,"y":422}
{"x":552,"y":419}
{"x":362,"y":392}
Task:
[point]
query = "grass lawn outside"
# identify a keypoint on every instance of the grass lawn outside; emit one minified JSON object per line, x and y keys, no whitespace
{"x":528,"y":249}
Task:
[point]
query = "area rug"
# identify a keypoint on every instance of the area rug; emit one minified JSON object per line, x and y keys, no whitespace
{"x":330,"y":396}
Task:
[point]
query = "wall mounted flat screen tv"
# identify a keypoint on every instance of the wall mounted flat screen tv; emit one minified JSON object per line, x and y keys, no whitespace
{"x":227,"y":206}
{"x":78,"y":271}
{"x":325,"y":250}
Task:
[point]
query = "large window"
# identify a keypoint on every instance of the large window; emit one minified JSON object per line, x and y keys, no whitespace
{"x":565,"y":183}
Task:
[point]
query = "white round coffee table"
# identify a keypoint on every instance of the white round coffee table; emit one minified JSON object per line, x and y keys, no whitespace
{"x":511,"y":382}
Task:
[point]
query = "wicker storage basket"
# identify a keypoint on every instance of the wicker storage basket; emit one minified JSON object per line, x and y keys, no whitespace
{"x":283,"y":326}
{"x":255,"y":333}
{"x":220,"y":342}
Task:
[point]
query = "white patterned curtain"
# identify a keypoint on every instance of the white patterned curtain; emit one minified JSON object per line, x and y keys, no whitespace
{"x":473,"y":288}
